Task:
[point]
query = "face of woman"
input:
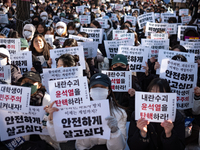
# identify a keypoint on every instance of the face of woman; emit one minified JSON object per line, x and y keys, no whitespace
{"x":99,"y":92}
{"x":60,"y":63}
{"x":92,"y":25}
{"x":38,"y":44}
{"x":155,"y":89}
{"x":177,"y":50}
{"x":40,"y":29}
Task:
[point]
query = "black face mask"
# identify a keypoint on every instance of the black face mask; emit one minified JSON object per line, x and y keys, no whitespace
{"x":119,"y":69}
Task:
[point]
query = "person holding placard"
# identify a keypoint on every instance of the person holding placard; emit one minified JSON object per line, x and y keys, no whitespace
{"x":125,"y":99}
{"x":145,"y":135}
{"x":100,"y":89}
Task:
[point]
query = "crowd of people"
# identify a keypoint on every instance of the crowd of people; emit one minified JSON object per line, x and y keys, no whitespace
{"x":60,"y":19}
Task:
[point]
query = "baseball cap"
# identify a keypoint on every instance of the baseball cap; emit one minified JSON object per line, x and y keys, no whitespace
{"x":100,"y":78}
{"x":119,"y":58}
{"x":35,"y":76}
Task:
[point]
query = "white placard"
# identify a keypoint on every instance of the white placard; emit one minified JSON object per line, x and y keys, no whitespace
{"x":61,"y":40}
{"x":16,"y":124}
{"x":85,"y":19}
{"x":5,"y":73}
{"x":5,"y":31}
{"x":49,"y":39}
{"x":61,"y":73}
{"x":181,"y":30}
{"x":80,"y":9}
{"x":179,"y":1}
{"x":4,"y":19}
{"x":23,"y":60}
{"x":192,"y":47}
{"x":143,"y":19}
{"x":121,"y":81}
{"x":119,"y":7}
{"x":182,"y":78}
{"x":56,"y":53}
{"x":95,"y":34}
{"x":155,"y":107}
{"x":155,"y":28}
{"x":14,"y":98}
{"x":12,"y":45}
{"x":90,"y":49}
{"x":159,"y":36}
{"x":69,"y":92}
{"x":155,"y":45}
{"x":82,"y":122}
{"x":103,"y":22}
{"x":116,"y":32}
{"x":132,"y":19}
{"x":80,"y":38}
{"x":163,"y":54}
{"x":136,"y":56}
{"x":171,"y":28}
{"x":186,"y":19}
{"x":184,"y":12}
{"x":66,"y":21}
{"x":111,"y":47}
{"x":165,"y":16}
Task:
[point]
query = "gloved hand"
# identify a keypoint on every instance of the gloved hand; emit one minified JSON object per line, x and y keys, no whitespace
{"x":112,"y":123}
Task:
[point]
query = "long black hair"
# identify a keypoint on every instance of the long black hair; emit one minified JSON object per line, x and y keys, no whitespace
{"x":162,"y":84}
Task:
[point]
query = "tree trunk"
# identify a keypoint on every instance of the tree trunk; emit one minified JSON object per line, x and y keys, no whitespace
{"x":23,"y":13}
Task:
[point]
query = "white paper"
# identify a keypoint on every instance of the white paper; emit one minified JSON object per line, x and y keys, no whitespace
{"x":90,"y":49}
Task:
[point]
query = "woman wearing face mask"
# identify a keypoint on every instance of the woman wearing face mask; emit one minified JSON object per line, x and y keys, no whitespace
{"x":44,"y":16}
{"x":28,"y":32}
{"x":145,"y":135}
{"x":71,"y":29}
{"x":77,"y":24}
{"x":61,"y":29}
{"x":100,"y":89}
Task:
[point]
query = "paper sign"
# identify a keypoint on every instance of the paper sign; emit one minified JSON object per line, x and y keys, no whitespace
{"x":136,"y":56}
{"x":103,"y":22}
{"x":171,"y":28}
{"x":61,"y":73}
{"x":49,"y":39}
{"x":155,"y":107}
{"x":181,"y":30}
{"x":80,"y":38}
{"x":116,"y":32}
{"x":163,"y":54}
{"x":5,"y":74}
{"x":182,"y":78}
{"x":56,"y":53}
{"x":121,"y":81}
{"x":61,"y":40}
{"x":82,"y":122}
{"x":23,"y":60}
{"x":119,"y":7}
{"x":95,"y":34}
{"x":143,"y":19}
{"x":132,"y":19}
{"x":159,"y":36}
{"x":184,"y":12}
{"x":16,"y":124}
{"x":4,"y":19}
{"x":12,"y":45}
{"x":5,"y":31}
{"x":155,"y":28}
{"x":80,"y":9}
{"x":85,"y":19}
{"x":165,"y":16}
{"x":112,"y":46}
{"x":15,"y":98}
{"x":186,"y":19}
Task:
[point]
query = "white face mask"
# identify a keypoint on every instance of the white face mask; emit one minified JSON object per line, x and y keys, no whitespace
{"x":58,"y":14}
{"x":71,"y":31}
{"x":75,"y":15}
{"x":31,"y":15}
{"x":44,"y":18}
{"x":14,"y":7}
{"x":60,"y":31}
{"x":27,"y":34}
{"x":77,"y":25}
{"x":99,"y":93}
{"x":98,"y":15}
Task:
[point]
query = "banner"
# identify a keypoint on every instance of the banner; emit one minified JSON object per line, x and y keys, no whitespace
{"x":23,"y":60}
{"x":155,"y":107}
{"x":121,"y":81}
{"x":182,"y":78}
{"x":111,"y":46}
{"x":16,"y":124}
{"x":56,"y":53}
{"x":82,"y":122}
{"x":136,"y":56}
